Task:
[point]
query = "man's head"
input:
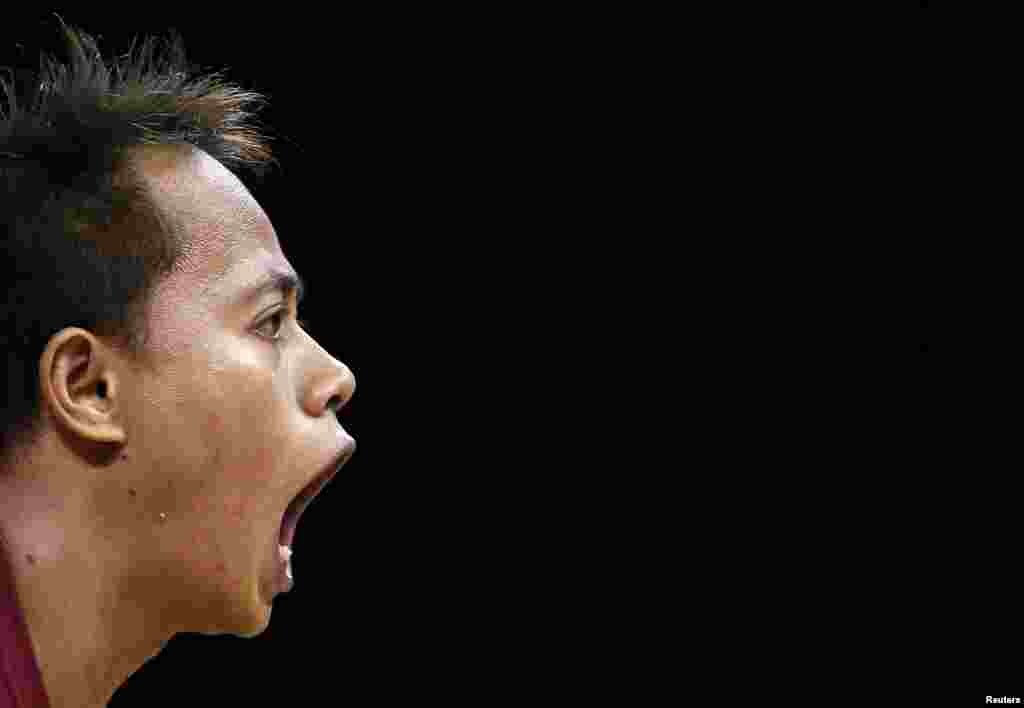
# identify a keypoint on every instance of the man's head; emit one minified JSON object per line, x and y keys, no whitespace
{"x":163,"y":410}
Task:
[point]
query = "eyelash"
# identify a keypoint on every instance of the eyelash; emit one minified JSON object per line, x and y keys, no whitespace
{"x":304,"y":324}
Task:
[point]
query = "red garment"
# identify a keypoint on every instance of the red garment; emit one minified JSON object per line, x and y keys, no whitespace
{"x":21,"y":682}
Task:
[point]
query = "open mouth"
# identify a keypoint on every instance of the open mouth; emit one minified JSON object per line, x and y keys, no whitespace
{"x":299,"y":505}
{"x":296,"y":509}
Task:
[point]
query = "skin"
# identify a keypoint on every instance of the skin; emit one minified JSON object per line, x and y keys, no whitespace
{"x":218,"y":437}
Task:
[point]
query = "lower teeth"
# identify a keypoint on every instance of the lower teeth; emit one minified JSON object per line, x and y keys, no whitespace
{"x":286,"y":556}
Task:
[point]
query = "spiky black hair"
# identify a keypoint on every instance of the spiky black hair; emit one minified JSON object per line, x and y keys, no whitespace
{"x":84,"y":243}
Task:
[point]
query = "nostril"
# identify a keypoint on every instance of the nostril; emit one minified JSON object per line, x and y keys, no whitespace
{"x":334,"y":404}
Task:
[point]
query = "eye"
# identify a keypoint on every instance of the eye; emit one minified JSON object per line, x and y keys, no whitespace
{"x":280,"y":316}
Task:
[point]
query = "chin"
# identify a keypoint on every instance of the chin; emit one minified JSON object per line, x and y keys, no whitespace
{"x":254,"y":622}
{"x":252,"y":634}
{"x":247,"y":618}
{"x":249,"y":629}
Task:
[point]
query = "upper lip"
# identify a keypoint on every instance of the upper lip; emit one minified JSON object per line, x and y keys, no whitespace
{"x":317,"y":485}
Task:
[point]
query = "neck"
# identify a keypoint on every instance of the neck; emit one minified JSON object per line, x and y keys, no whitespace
{"x":88,"y":632}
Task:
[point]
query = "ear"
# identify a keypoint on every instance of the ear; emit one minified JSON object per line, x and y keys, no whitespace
{"x":80,"y":386}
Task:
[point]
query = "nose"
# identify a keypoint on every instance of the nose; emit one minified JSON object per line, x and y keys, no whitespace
{"x":344,"y":390}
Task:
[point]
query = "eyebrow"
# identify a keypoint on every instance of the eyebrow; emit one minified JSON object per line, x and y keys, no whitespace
{"x":285,"y":282}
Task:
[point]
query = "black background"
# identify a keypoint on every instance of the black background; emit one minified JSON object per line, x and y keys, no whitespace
{"x":401,"y":199}
{"x":379,"y":206}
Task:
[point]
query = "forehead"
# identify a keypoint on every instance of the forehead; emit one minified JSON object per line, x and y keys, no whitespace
{"x":228,"y":239}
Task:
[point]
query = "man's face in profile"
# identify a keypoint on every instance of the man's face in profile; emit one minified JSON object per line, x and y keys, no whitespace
{"x":235,"y":418}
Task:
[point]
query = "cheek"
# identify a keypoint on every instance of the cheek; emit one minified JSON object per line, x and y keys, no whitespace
{"x":221,"y":520}
{"x":242,"y":434}
{"x":240,"y":464}
{"x":240,"y":507}
{"x":177,"y":322}
{"x":218,"y":549}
